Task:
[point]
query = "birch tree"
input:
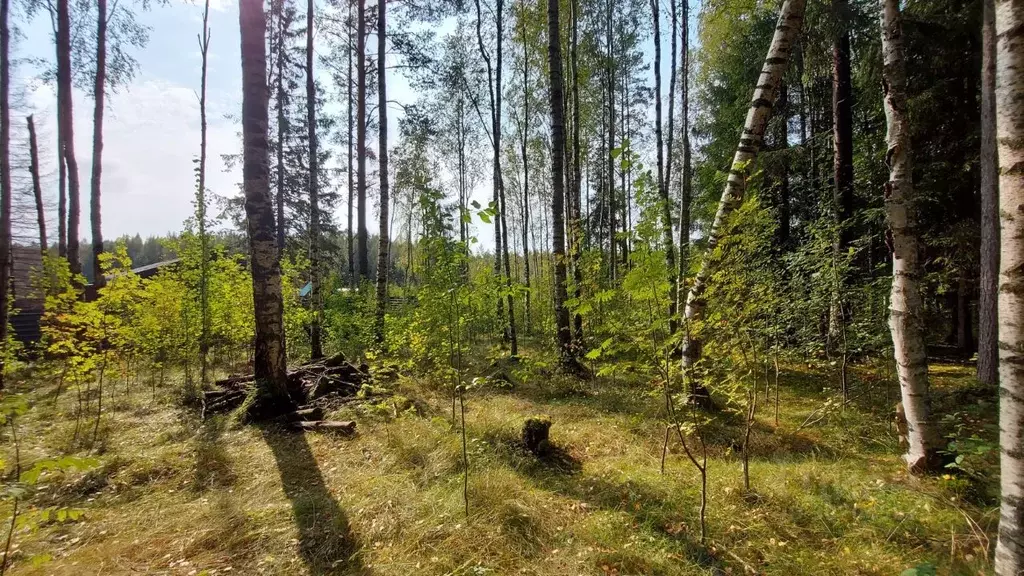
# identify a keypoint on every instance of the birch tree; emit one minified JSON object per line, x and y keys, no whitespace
{"x":906,"y":320}
{"x":1009,"y":29}
{"x":268,"y":304}
{"x":787,"y":31}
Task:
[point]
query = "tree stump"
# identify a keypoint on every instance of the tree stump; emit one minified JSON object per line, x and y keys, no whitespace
{"x":535,"y":435}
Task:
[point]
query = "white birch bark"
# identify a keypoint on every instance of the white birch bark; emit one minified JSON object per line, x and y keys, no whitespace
{"x":905,"y":309}
{"x":787,"y":31}
{"x":1010,"y":143}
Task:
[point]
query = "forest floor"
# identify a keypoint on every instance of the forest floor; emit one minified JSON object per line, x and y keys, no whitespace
{"x":174,"y":495}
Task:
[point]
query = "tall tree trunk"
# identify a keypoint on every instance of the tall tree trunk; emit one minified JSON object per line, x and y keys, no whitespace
{"x":351,"y":174}
{"x":99,"y":93}
{"x":577,"y":224}
{"x":361,"y":241}
{"x":204,"y":240}
{"x":67,"y":123}
{"x":988,"y":349}
{"x":513,"y":338}
{"x":842,"y":159}
{"x":842,"y":124}
{"x":315,"y":345}
{"x":613,"y":263}
{"x":787,"y":31}
{"x":782,"y":178}
{"x":562,"y":330}
{"x":282,"y":124}
{"x":62,"y":184}
{"x":500,"y":238}
{"x":906,"y":320}
{"x":964,"y":335}
{"x":687,"y":182}
{"x":383,"y":250}
{"x":5,"y":177}
{"x":268,"y":304}
{"x":37,"y":187}
{"x":666,"y":204}
{"x":1009,"y":20}
{"x":526,"y":172}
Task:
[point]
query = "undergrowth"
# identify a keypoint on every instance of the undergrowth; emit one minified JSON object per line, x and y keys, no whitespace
{"x":173,"y":495}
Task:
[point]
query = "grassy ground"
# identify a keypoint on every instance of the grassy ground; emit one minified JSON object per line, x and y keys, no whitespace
{"x":174,"y":495}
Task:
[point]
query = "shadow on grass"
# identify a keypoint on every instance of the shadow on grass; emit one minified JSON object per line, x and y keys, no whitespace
{"x":326,"y":542}
{"x":621,"y":398}
{"x":559,"y":471}
{"x":213,"y":466}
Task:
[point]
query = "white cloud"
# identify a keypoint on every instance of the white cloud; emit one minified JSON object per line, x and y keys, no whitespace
{"x":151,"y":137}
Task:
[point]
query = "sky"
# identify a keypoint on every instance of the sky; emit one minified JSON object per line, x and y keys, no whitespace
{"x":151,"y":126}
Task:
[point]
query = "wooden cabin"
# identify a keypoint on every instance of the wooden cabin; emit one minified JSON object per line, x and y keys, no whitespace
{"x":26,"y":265}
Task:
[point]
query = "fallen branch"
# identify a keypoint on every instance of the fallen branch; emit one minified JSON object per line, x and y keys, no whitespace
{"x":338,"y":426}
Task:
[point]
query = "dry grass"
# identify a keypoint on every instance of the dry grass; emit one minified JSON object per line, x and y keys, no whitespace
{"x":176,"y":496}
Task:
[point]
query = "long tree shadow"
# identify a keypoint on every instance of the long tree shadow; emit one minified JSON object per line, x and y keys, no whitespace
{"x":326,"y":542}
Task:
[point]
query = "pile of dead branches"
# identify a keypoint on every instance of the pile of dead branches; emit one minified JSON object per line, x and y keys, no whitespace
{"x":327,"y":377}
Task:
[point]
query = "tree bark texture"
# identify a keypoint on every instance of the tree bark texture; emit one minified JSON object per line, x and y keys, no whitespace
{"x":842,"y":124}
{"x":315,"y":345}
{"x":906,"y":320}
{"x":666,"y":204}
{"x":562,"y":330}
{"x":362,"y":255}
{"x":351,"y":173}
{"x":577,"y":223}
{"x":382,"y":110}
{"x":1009,"y":20}
{"x":282,"y":124}
{"x":64,"y":96}
{"x":988,"y":282}
{"x":787,"y":31}
{"x":99,"y":93}
{"x":268,"y":304}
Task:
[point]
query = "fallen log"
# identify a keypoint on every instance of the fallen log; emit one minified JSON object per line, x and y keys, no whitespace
{"x":337,"y":426}
{"x":313,"y":414}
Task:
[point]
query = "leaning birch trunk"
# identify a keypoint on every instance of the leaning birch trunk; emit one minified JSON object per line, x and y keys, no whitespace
{"x":787,"y":31}
{"x":1010,"y":138}
{"x":269,"y":358}
{"x":905,"y":318}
